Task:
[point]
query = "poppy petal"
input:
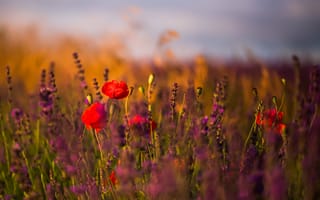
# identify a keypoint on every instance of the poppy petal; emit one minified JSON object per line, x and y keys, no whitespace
{"x":115,"y":90}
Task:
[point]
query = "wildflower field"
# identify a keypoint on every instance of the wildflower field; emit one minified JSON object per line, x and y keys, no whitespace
{"x":82,"y":123}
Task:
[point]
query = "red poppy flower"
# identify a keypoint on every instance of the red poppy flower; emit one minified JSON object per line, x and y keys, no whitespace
{"x":115,"y":89}
{"x":259,"y":120}
{"x":95,"y":116}
{"x":281,"y":128}
{"x":113,"y":178}
{"x":272,"y":119}
{"x":139,"y":120}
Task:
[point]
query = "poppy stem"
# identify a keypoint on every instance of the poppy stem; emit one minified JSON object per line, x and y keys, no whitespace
{"x":99,"y":144}
{"x":149,"y":93}
{"x":101,"y":171}
{"x":314,"y":116}
{"x":283,"y":96}
{"x":101,"y":160}
{"x":253,"y":127}
{"x":126,"y":120}
{"x":248,"y":138}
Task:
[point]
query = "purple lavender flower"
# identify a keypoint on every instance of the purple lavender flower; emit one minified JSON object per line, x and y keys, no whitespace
{"x":16,"y":147}
{"x":92,"y":189}
{"x":70,"y":169}
{"x":50,"y":191}
{"x":46,"y":100}
{"x":17,"y":115}
{"x":276,"y":184}
{"x":167,"y":181}
{"x":249,"y":161}
{"x":78,"y":189}
{"x":204,"y":125}
{"x":58,"y":143}
{"x":8,"y":197}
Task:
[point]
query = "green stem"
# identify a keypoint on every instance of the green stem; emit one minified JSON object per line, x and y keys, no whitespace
{"x":126,"y":120}
{"x":28,"y":168}
{"x":152,"y":155}
{"x":101,"y":170}
{"x":43,"y":184}
{"x":37,"y":137}
{"x":182,"y":107}
{"x":248,"y":138}
{"x":5,"y":143}
{"x":282,"y":100}
{"x":314,"y":116}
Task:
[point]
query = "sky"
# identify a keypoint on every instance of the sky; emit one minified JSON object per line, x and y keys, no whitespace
{"x":221,"y":28}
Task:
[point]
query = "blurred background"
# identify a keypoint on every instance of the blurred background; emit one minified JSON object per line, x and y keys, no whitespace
{"x":268,"y":29}
{"x":153,"y":35}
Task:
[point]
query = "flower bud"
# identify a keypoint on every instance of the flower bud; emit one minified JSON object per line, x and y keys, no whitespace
{"x":151,"y":79}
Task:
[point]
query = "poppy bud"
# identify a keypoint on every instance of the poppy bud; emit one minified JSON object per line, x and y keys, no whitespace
{"x":151,"y":79}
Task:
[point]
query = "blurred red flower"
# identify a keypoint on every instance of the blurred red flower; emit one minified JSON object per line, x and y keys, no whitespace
{"x":272,"y":119}
{"x":259,"y":120}
{"x":95,"y":116}
{"x":115,"y":89}
{"x":280,"y":128}
{"x":113,"y":178}
{"x":139,"y":120}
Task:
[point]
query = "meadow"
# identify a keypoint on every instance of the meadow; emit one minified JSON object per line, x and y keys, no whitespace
{"x":203,"y":128}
